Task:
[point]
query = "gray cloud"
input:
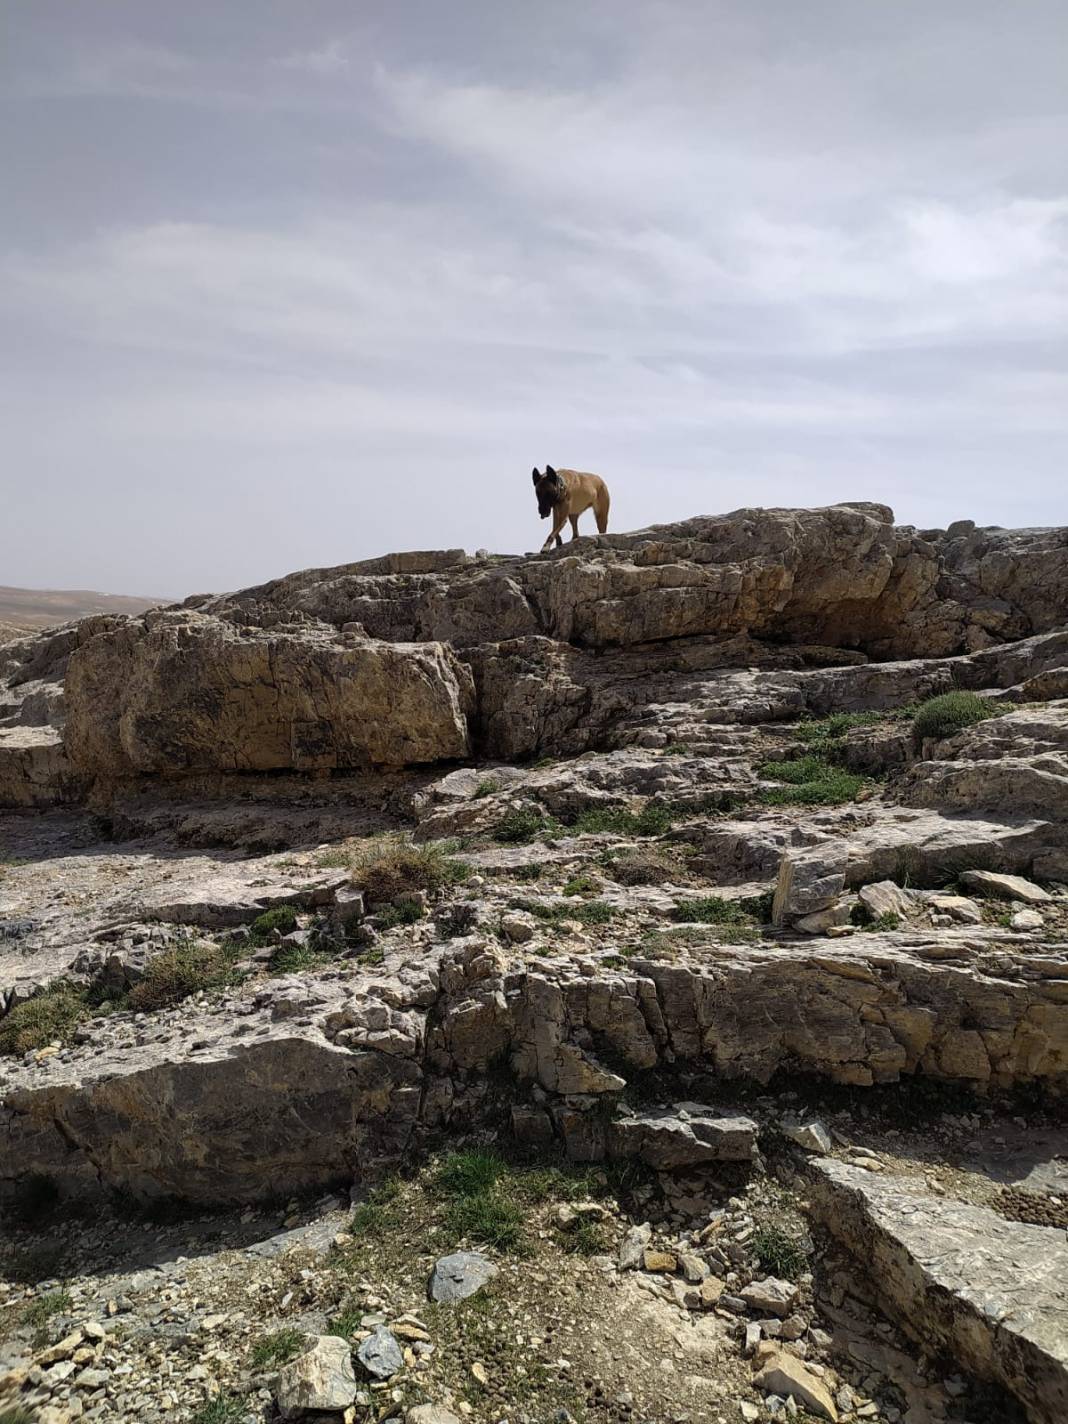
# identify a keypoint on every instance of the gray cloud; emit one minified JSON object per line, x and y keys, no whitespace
{"x":281,"y":287}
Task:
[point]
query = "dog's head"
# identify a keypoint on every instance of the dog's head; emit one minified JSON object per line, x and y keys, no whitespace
{"x":550,"y":490}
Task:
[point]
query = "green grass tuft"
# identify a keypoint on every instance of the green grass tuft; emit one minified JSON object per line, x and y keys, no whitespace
{"x":779,"y":1253}
{"x":486,"y":787}
{"x":711,"y":910}
{"x":282,"y":918}
{"x":649,"y":821}
{"x":223,"y":1409}
{"x":809,"y":781}
{"x":524,"y":824}
{"x":276,"y":1348}
{"x":944,"y":716}
{"x":479,"y":1206}
{"x":177,"y":973}
{"x":47,"y":1018}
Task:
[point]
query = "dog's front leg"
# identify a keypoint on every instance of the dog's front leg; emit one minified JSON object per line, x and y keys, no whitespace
{"x":559,"y":520}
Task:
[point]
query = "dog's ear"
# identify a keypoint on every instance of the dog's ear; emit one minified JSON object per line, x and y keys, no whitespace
{"x":537,"y":477}
{"x":550,"y":473}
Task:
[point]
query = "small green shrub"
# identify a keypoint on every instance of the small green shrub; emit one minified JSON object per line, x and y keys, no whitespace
{"x":530,"y":871}
{"x":779,"y":1253}
{"x":408,"y":912}
{"x":346,"y":1323}
{"x":389,"y":866}
{"x":276,"y":1348}
{"x":223,"y":1409}
{"x":479,"y":1206}
{"x":710,"y":910}
{"x":489,"y":1219}
{"x":651,"y":820}
{"x":524,"y":824}
{"x":17,"y":1415}
{"x":586,"y":1238}
{"x":40,"y":1311}
{"x":944,"y":716}
{"x":677,"y":749}
{"x":177,"y":973}
{"x":809,"y":781}
{"x":486,"y":787}
{"x":592,"y":912}
{"x":47,"y":1018}
{"x":581,"y":885}
{"x":825,"y":731}
{"x":282,"y":919}
{"x":378,"y":1211}
{"x":293,"y":958}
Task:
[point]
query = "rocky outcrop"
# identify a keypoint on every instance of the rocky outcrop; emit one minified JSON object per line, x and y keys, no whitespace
{"x":184,"y":692}
{"x":991,"y":1293}
{"x":318,"y":1079}
{"x":421,"y":658}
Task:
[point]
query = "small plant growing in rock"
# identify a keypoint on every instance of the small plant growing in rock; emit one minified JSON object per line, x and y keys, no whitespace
{"x":223,"y":1409}
{"x":47,"y":1018}
{"x":581,"y":885}
{"x":39,"y":1312}
{"x":408,"y":912}
{"x":522,"y":825}
{"x":177,"y":973}
{"x":281,"y":920}
{"x":809,"y":781}
{"x":478,"y":1208}
{"x":486,"y":787}
{"x":276,"y":1348}
{"x":387,"y":867}
{"x":651,"y":820}
{"x":778,"y":1253}
{"x":944,"y":716}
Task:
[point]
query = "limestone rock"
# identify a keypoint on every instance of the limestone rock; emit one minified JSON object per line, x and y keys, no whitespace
{"x":957,"y":907}
{"x":321,"y":1378}
{"x":1004,"y":887}
{"x":813,"y":1135}
{"x":633,"y":1246}
{"x":380,"y":1354}
{"x":431,"y":1414}
{"x":991,"y":1293}
{"x":682,"y":1136}
{"x":184,"y":692}
{"x":783,"y":1374}
{"x":886,"y":898}
{"x":1027,"y":920}
{"x":770,"y":1295}
{"x":460,"y":1275}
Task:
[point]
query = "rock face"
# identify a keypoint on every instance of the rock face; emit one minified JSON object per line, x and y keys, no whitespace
{"x":183,"y":692}
{"x":419,"y":658}
{"x":992,"y":1293}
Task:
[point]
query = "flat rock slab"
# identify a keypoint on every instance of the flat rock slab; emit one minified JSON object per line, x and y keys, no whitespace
{"x":461,"y":1275}
{"x":683,"y":1135}
{"x":1004,"y":887}
{"x":992,"y":1293}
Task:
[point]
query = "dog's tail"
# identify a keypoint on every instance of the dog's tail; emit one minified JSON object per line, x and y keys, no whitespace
{"x":600,"y":509}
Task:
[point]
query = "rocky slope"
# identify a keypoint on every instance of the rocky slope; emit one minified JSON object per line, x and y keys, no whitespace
{"x":653,"y":854}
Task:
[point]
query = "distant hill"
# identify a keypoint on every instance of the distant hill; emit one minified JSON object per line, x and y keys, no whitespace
{"x":29,"y":608}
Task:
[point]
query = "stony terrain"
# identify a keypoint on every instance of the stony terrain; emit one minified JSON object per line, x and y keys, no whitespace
{"x":675,"y":926}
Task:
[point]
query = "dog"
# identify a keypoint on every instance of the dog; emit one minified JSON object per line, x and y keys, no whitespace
{"x":565,"y":494}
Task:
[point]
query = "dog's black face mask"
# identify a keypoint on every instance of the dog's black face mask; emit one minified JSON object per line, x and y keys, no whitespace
{"x":549,"y":488}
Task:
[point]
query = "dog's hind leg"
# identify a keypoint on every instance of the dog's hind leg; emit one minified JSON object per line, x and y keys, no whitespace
{"x":600,"y":511}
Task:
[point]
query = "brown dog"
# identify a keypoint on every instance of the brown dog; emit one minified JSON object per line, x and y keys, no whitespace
{"x":565,"y":494}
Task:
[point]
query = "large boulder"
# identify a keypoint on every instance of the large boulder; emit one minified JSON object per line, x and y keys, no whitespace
{"x":183,"y":692}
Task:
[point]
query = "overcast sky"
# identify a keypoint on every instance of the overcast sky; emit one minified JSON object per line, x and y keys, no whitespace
{"x":295,"y":282}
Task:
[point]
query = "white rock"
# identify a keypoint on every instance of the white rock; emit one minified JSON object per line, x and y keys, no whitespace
{"x":885,"y":898}
{"x":321,"y":1378}
{"x":1004,"y":887}
{"x":770,"y":1295}
{"x":1027,"y":920}
{"x":813,"y":1135}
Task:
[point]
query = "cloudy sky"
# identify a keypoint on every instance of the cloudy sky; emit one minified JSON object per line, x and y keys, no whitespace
{"x":294,"y":282}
